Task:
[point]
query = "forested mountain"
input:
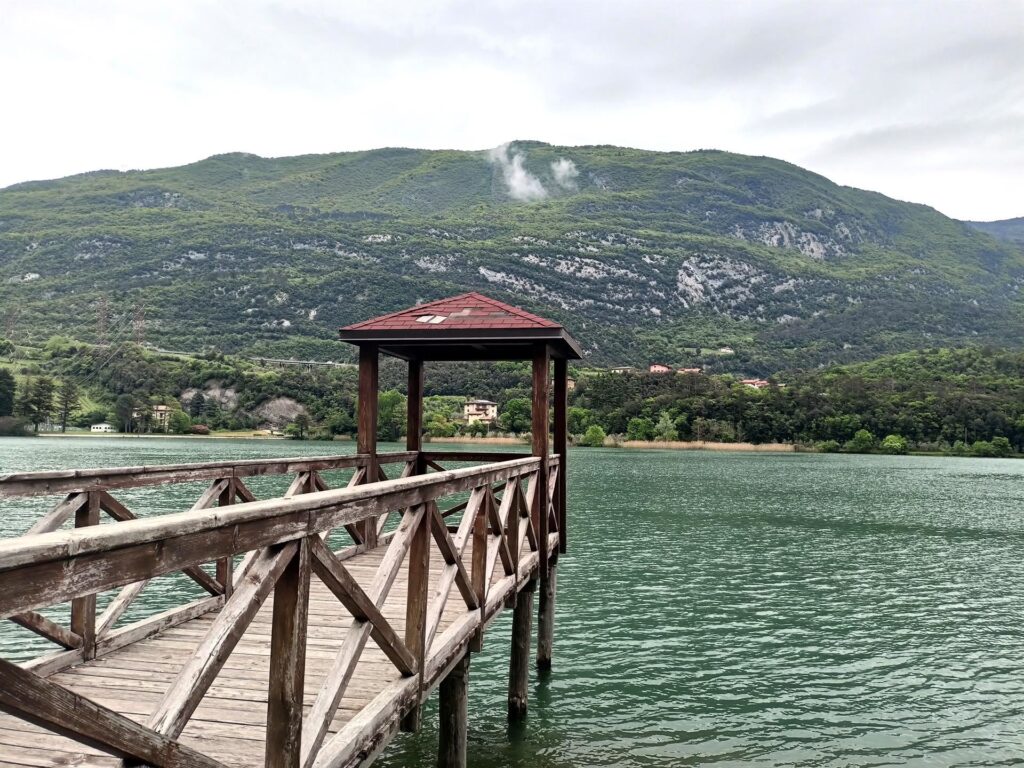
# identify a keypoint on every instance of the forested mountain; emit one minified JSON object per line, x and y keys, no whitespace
{"x":643,"y":255}
{"x":1011,"y":230}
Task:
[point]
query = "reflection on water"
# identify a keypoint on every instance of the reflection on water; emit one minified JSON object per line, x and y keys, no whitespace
{"x":735,"y":609}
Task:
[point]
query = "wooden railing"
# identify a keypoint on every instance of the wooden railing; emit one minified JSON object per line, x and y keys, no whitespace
{"x":283,"y":541}
{"x":87,"y":495}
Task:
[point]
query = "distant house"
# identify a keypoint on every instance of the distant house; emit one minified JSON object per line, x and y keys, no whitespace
{"x":623,"y":369}
{"x":689,"y":370}
{"x":161,"y":416}
{"x":659,"y":368}
{"x":101,"y":427}
{"x":570,"y":384}
{"x":480,"y":410}
{"x":756,"y":383}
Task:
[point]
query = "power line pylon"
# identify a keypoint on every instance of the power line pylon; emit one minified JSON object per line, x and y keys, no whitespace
{"x":102,"y":321}
{"x":139,"y":322}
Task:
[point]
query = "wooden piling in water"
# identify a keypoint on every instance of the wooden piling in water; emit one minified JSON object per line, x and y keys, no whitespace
{"x":519,"y":659}
{"x":546,"y":618}
{"x":452,"y":701}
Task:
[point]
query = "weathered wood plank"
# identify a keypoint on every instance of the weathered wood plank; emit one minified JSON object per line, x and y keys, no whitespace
{"x":122,"y":514}
{"x":453,"y":557}
{"x":447,"y":578}
{"x":57,"y":516}
{"x":337,"y":578}
{"x":366,"y":427}
{"x":83,"y":606}
{"x":51,"y":630}
{"x":288,"y":660}
{"x":195,"y":677}
{"x":337,"y":678}
{"x":57,"y":566}
{"x":418,"y":584}
{"x":51,"y":706}
{"x":75,"y":480}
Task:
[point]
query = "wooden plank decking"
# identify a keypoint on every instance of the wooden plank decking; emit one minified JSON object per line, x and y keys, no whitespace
{"x":230,"y":723}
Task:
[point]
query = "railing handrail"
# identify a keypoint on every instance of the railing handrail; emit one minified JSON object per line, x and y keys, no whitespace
{"x":58,"y":566}
{"x":51,"y":482}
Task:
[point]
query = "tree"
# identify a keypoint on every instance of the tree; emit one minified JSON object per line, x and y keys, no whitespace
{"x":36,"y":401}
{"x":124,"y":411}
{"x":7,"y":392}
{"x":982,"y":449}
{"x":440,"y":426}
{"x":68,"y":400}
{"x":1001,"y":447}
{"x":339,"y":422}
{"x":861,"y":442}
{"x":477,"y":428}
{"x":516,"y":415}
{"x":594,"y":437}
{"x":640,"y":428}
{"x":391,"y":407}
{"x":579,"y":419}
{"x":302,"y":425}
{"x":894,"y":445}
{"x":179,"y":423}
{"x":197,"y":405}
{"x":665,"y":429}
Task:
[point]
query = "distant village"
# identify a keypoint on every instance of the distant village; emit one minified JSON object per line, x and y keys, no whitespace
{"x":661,"y":368}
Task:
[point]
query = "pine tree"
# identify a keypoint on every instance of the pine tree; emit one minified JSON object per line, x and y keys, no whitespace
{"x":35,"y":401}
{"x":42,"y":401}
{"x":68,"y":400}
{"x":7,"y":392}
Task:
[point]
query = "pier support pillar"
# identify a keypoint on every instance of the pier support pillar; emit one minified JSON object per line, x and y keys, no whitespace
{"x":546,"y":618}
{"x":451,"y":748}
{"x":519,"y":662}
{"x":366,"y":434}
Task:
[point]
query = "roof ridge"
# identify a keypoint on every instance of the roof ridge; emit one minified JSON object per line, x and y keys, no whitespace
{"x":398,"y":312}
{"x":516,"y":310}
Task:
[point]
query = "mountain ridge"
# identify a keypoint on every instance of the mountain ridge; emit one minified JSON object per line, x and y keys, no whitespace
{"x":645,"y":255}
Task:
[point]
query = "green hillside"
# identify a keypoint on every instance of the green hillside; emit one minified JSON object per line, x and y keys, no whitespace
{"x":644,"y":255}
{"x":1011,"y":230}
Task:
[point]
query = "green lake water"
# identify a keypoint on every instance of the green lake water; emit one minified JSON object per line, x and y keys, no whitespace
{"x":727,"y":609}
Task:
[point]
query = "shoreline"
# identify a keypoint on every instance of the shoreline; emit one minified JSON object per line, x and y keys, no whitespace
{"x":706,"y":445}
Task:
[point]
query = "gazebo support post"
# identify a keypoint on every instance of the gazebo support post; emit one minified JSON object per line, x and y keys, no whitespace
{"x":539,"y":432}
{"x":549,"y":581}
{"x":367,"y":426}
{"x":414,"y":415}
{"x":561,"y":446}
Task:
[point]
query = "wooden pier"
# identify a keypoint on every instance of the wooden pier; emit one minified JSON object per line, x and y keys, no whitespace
{"x":274,"y":664}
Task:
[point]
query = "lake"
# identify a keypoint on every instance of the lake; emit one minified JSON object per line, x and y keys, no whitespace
{"x":728,"y":609}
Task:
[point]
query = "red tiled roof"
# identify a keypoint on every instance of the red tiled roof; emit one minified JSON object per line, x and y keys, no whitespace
{"x":467,"y":311}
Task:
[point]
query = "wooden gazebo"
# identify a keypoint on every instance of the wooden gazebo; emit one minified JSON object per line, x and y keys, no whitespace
{"x":467,"y":327}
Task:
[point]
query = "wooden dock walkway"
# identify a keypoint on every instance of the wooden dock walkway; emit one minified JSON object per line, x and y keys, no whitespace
{"x":304,"y":654}
{"x":309,"y":657}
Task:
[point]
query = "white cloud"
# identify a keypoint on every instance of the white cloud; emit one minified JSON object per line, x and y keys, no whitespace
{"x":520,"y":183}
{"x":565,"y":173}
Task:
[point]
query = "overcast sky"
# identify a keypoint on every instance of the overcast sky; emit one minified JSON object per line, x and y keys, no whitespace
{"x":922,"y":100}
